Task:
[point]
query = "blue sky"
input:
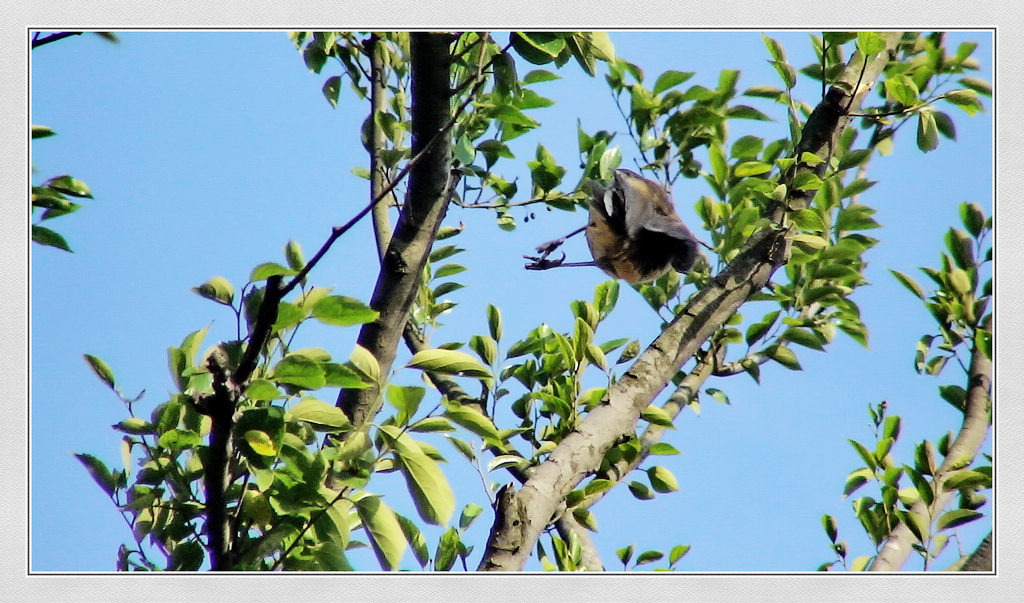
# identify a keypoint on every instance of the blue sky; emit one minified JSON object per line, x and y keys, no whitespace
{"x":208,"y":151}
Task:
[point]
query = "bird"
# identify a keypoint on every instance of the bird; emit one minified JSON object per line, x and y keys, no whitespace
{"x":634,"y":232}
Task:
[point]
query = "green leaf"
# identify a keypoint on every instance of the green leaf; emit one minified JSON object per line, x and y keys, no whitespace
{"x":259,"y":441}
{"x":431,"y":493}
{"x":640,"y":491}
{"x":854,"y":158}
{"x":783,"y":356}
{"x":966,"y":100}
{"x":135,"y":426}
{"x":332,"y":89}
{"x":261,"y":390}
{"x":856,"y":479}
{"x":432,"y":424}
{"x":538,"y":47}
{"x":751,"y":168}
{"x":649,"y":557}
{"x":869,"y":42}
{"x":718,"y":395}
{"x":485,"y":347}
{"x":892,"y":427}
{"x":101,"y":369}
{"x":314,"y":57}
{"x":384,"y":531}
{"x":300,"y":371}
{"x":678,"y":552}
{"x":657,"y":416}
{"x":269,"y":269}
{"x":806,"y":181}
{"x":41,"y":132}
{"x":45,"y":236}
{"x":966,"y":478}
{"x":99,"y":472}
{"x":957,"y":517}
{"x":448,"y":362}
{"x":961,"y":248}
{"x":365,"y":363}
{"x":473,"y":421}
{"x":469,"y":513}
{"x":973,"y":218}
{"x":405,"y":399}
{"x":917,"y":523}
{"x":540,"y":75}
{"x":69,"y":186}
{"x":494,"y":322}
{"x":864,"y":453}
{"x":909,"y":283}
{"x":663,"y":448}
{"x":342,"y":311}
{"x":293,"y":255}
{"x":323,"y":416}
{"x":670,"y":79}
{"x":218,"y":289}
{"x":180,"y":439}
{"x":463,"y":150}
{"x":927,"y":132}
{"x":447,"y":547}
{"x":831,"y":529}
{"x":585,"y":518}
{"x":955,"y":395}
{"x":803,"y":337}
{"x":662,"y":479}
{"x":902,"y":89}
{"x":978,"y":85}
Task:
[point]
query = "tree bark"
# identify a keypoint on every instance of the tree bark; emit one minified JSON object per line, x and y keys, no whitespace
{"x":425,"y":205}
{"x":521,"y":516}
{"x":965,"y":447}
{"x":981,"y":559}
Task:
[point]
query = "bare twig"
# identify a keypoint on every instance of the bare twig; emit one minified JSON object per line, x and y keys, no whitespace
{"x":41,"y":41}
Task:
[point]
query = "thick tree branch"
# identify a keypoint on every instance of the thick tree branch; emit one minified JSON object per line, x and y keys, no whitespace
{"x":521,"y":516}
{"x":981,"y":559}
{"x":675,"y":404}
{"x":402,"y":264}
{"x":965,"y":447}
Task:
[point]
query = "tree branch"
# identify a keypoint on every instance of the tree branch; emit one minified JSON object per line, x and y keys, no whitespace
{"x":520,"y":517}
{"x":429,"y":184}
{"x":378,"y":176}
{"x":37,"y":41}
{"x":567,"y":526}
{"x":965,"y":447}
{"x":981,"y":559}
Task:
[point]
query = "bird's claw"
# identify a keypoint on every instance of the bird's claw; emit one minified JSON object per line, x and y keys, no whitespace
{"x":543,"y":262}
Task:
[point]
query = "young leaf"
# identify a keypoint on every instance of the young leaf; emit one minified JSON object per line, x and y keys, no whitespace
{"x":662,"y":479}
{"x":101,"y":369}
{"x":218,"y":289}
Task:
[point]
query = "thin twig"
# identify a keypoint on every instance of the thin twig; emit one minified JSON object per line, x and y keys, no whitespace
{"x":37,"y":41}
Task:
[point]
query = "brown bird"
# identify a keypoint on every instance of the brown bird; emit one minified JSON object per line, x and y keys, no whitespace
{"x":634,"y":232}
